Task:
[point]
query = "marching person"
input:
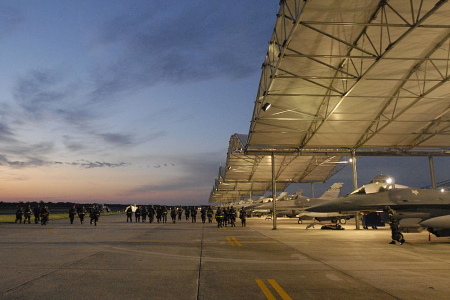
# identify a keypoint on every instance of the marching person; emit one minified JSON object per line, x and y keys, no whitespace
{"x":129,"y":214}
{"x":243,"y":217}
{"x":81,"y":213}
{"x":36,"y":212}
{"x":27,"y":215}
{"x":19,"y":215}
{"x":72,"y":214}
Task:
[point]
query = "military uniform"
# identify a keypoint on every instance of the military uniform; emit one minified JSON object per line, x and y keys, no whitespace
{"x":27,"y":215}
{"x":243,"y":217}
{"x":81,"y":214}
{"x":219,"y":218}
{"x":44,"y":215}
{"x":36,"y":212}
{"x":137,"y":214}
{"x":173,"y":214}
{"x":19,"y":215}
{"x":151,"y":214}
{"x":71,"y":214}
{"x":129,"y":214}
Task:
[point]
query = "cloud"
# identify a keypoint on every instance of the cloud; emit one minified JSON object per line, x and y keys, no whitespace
{"x":10,"y":19}
{"x":116,"y":138}
{"x":27,"y":150}
{"x":72,"y":145}
{"x":75,"y":116}
{"x":52,"y":94}
{"x":38,"y":162}
{"x":30,"y":162}
{"x":196,"y":171}
{"x":97,"y":164}
{"x":182,"y":44}
{"x":6,"y":133}
{"x":37,"y":91}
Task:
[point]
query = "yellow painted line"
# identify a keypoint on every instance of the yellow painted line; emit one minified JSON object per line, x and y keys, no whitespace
{"x":265,"y":289}
{"x":230,"y":241}
{"x":279,"y":289}
{"x":237,"y":242}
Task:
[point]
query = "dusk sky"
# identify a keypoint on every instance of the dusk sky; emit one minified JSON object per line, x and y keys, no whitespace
{"x":125,"y":101}
{"x":118,"y":101}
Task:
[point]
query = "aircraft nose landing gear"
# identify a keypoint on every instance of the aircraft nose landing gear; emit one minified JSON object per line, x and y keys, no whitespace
{"x":393,"y":222}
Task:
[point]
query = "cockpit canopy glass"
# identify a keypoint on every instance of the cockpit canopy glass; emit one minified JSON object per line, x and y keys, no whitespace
{"x":373,"y":188}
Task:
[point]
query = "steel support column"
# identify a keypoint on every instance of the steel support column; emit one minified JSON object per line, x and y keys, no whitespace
{"x":355,"y":184}
{"x":274,"y":194}
{"x":433,"y":178}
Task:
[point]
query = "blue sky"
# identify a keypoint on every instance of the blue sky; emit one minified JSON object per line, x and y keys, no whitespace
{"x":125,"y":101}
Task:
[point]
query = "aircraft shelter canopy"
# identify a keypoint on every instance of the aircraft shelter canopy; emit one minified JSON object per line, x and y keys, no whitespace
{"x":340,"y":77}
{"x":251,"y":175}
{"x":356,"y":74}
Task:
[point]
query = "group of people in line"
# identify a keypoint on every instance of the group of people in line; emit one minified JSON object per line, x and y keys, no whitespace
{"x":94,"y":214}
{"x":227,"y":216}
{"x":161,"y":213}
{"x":41,"y":214}
{"x":224,"y":216}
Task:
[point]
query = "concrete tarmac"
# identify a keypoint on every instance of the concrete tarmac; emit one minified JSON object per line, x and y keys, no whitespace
{"x":120,"y":260}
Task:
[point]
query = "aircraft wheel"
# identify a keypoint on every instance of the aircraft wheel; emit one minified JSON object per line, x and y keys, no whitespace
{"x":300,"y":221}
{"x":343,"y":221}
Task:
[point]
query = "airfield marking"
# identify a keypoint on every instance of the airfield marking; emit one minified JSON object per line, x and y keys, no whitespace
{"x":237,"y":242}
{"x":265,"y":289}
{"x":233,"y":241}
{"x":279,"y":289}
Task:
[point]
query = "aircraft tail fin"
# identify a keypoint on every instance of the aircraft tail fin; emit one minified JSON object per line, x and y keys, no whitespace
{"x":333,"y":191}
{"x":281,"y":196}
{"x":299,"y":192}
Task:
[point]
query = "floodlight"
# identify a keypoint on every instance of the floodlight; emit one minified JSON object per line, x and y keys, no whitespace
{"x":266,"y":106}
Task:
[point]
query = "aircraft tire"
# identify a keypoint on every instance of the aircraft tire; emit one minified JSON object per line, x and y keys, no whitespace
{"x":343,"y":221}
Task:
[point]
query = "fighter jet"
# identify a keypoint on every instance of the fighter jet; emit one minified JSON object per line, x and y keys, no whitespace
{"x":270,"y":199}
{"x":405,"y":209}
{"x":297,"y":203}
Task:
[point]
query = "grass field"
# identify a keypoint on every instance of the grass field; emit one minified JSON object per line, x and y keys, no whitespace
{"x":12,"y":218}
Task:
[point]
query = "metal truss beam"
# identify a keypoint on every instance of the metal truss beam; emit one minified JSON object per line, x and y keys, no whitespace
{"x":384,"y":119}
{"x":325,"y":111}
{"x":289,"y":18}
